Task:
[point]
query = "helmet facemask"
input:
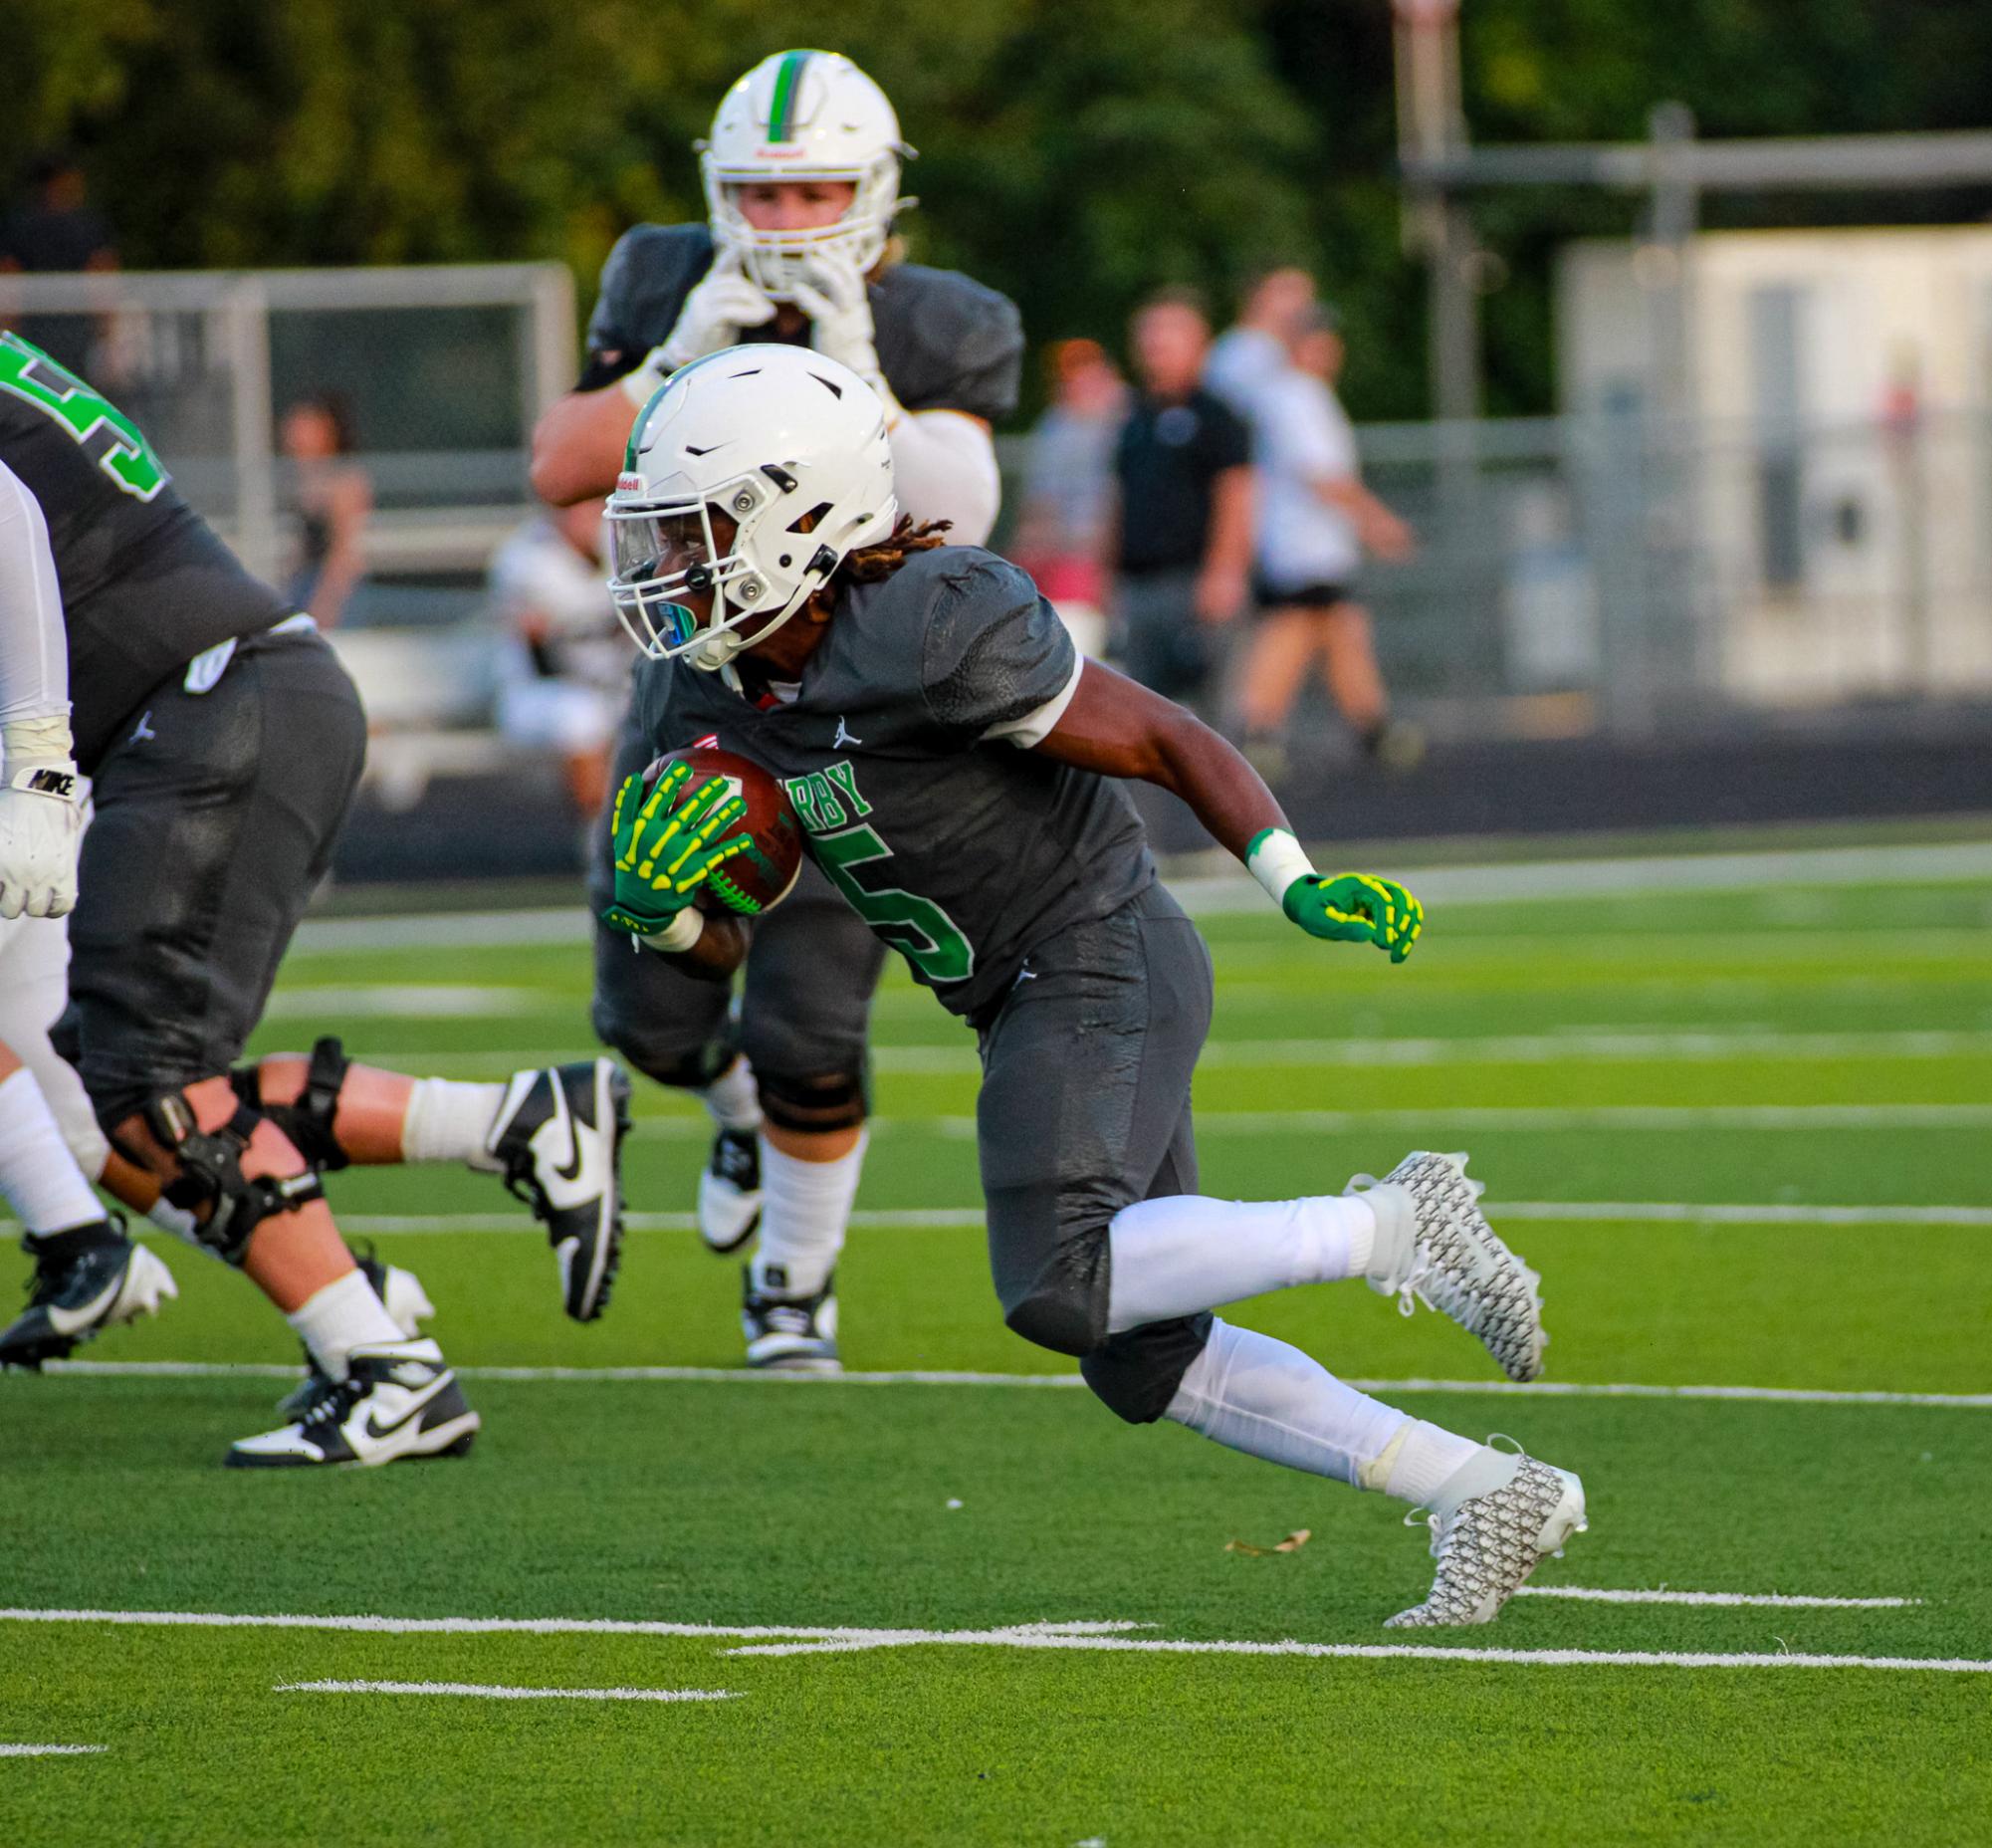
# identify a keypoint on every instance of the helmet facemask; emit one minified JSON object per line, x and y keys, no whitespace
{"x":643,"y":532}
{"x":775,"y":260}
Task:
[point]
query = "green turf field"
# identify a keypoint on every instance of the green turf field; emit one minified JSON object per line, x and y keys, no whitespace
{"x":1746,"y":1138}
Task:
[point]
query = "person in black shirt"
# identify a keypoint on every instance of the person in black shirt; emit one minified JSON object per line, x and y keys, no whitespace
{"x":1184,"y":545}
{"x":57,"y":230}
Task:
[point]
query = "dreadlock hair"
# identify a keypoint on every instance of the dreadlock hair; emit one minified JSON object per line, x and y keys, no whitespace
{"x":875,"y":563}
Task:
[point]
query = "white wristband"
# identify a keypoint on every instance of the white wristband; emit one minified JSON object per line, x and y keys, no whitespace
{"x":680,"y":934}
{"x":41,"y":738}
{"x":640,"y":386}
{"x":1276,"y":859}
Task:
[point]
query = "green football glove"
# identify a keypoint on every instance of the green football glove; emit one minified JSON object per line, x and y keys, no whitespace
{"x":1355,"y":907}
{"x":664,"y":854}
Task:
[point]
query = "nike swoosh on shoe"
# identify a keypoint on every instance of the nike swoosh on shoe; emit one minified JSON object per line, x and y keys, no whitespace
{"x":375,"y":1431}
{"x":69,"y":1321}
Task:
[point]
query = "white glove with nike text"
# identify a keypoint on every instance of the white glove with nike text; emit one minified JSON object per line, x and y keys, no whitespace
{"x":41,"y":819}
{"x":832,"y":292}
{"x":725,"y":301}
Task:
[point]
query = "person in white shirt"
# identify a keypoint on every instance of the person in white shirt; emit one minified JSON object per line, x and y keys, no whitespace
{"x":1316,"y":524}
{"x":566,"y":672}
{"x":1252,"y":353}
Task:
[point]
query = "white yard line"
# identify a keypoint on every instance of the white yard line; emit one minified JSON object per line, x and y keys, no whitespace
{"x":1935,"y":864}
{"x":1102,"y":1637}
{"x":1550,"y":1117}
{"x":1718,"y":1599}
{"x":49,"y":1752}
{"x":743,"y":1376}
{"x":482,"y":1691}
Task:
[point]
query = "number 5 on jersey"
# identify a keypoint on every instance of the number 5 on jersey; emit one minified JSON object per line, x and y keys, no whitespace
{"x":916,"y":927}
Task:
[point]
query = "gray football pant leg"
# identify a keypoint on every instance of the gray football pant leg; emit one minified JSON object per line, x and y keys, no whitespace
{"x":1085,"y":1109}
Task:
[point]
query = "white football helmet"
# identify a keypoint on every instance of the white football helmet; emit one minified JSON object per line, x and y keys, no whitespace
{"x":784,"y":442}
{"x":803,"y":116}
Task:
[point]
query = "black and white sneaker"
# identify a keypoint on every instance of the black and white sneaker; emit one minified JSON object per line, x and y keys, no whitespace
{"x":729,"y":1191}
{"x":401,"y":1296}
{"x":790,"y":1335}
{"x":399,"y":1403}
{"x":558,"y":1136}
{"x":87,"y":1279}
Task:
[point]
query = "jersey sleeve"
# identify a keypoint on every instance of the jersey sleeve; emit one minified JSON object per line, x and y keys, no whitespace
{"x":995,"y":658}
{"x":34,"y":644}
{"x":947,"y":342}
{"x":645,"y":283}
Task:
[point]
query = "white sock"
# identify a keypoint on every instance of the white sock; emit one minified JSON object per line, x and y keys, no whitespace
{"x":1250,"y":1392}
{"x":38,"y":1174}
{"x":1186,"y":1254}
{"x":806,"y":1206}
{"x":1430,"y":1467}
{"x":732,"y":1098}
{"x":179,"y":1221}
{"x":448,"y":1119}
{"x":340,"y":1317}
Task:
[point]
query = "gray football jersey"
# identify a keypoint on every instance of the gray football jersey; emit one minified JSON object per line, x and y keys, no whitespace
{"x":960,"y":850}
{"x":945,"y":341}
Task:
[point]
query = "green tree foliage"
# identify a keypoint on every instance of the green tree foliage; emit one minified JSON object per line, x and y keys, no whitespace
{"x":1073,"y":152}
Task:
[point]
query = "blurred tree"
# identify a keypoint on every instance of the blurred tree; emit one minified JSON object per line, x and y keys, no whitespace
{"x":1073,"y":152}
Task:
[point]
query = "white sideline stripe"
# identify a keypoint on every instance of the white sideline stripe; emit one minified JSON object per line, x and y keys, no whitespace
{"x":1101,"y":1637}
{"x":482,"y":1691}
{"x":1718,"y":1599}
{"x":1802,"y":1116}
{"x":747,"y":1376}
{"x":1453,"y":885}
{"x":49,"y":1751}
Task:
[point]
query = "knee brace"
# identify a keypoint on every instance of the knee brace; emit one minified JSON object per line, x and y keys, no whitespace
{"x":1134,"y":1374}
{"x":308,"y":1120}
{"x":817,"y":1104}
{"x":211,"y":1176}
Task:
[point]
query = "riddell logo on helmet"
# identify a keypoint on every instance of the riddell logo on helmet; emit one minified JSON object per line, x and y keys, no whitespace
{"x":629,"y":484}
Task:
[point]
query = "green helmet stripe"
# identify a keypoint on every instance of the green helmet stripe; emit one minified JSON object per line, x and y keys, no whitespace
{"x":787,"y":81}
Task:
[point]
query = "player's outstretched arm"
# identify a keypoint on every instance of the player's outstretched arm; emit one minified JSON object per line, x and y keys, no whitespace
{"x":1118,"y":728}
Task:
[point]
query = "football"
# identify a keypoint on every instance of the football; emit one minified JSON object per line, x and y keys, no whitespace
{"x":761,"y":878}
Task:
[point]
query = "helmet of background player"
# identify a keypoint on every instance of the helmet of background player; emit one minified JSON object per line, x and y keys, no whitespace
{"x":803,"y":116}
{"x":783,"y":442}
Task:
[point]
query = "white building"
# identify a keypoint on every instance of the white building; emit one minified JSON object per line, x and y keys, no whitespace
{"x":1836,"y":461}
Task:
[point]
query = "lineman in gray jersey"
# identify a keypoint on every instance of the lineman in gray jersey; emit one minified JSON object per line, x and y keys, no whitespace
{"x":949,"y":758}
{"x":224,"y":740}
{"x":801,"y":178}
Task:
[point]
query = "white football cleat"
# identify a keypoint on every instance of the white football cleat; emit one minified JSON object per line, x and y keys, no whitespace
{"x":86,"y":1279}
{"x":1489,"y":1545}
{"x":398,"y":1402}
{"x":729,"y":1191}
{"x":559,"y":1136}
{"x":401,"y":1296}
{"x":1433,"y":1246}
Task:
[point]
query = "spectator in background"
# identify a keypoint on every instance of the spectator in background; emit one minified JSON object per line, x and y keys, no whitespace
{"x":1068,"y":490}
{"x":56,"y":229}
{"x":1319,"y":522}
{"x":1183,"y":537}
{"x":566,"y":674}
{"x":334,"y":500}
{"x":1252,"y":353}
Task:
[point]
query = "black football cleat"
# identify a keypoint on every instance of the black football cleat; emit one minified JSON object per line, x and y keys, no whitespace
{"x":557,"y":1137}
{"x":729,"y":1191}
{"x":399,"y":1403}
{"x":790,"y":1335}
{"x":87,"y":1279}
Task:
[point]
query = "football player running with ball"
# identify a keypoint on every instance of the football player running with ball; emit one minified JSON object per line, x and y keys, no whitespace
{"x":953,"y":763}
{"x":801,"y":176}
